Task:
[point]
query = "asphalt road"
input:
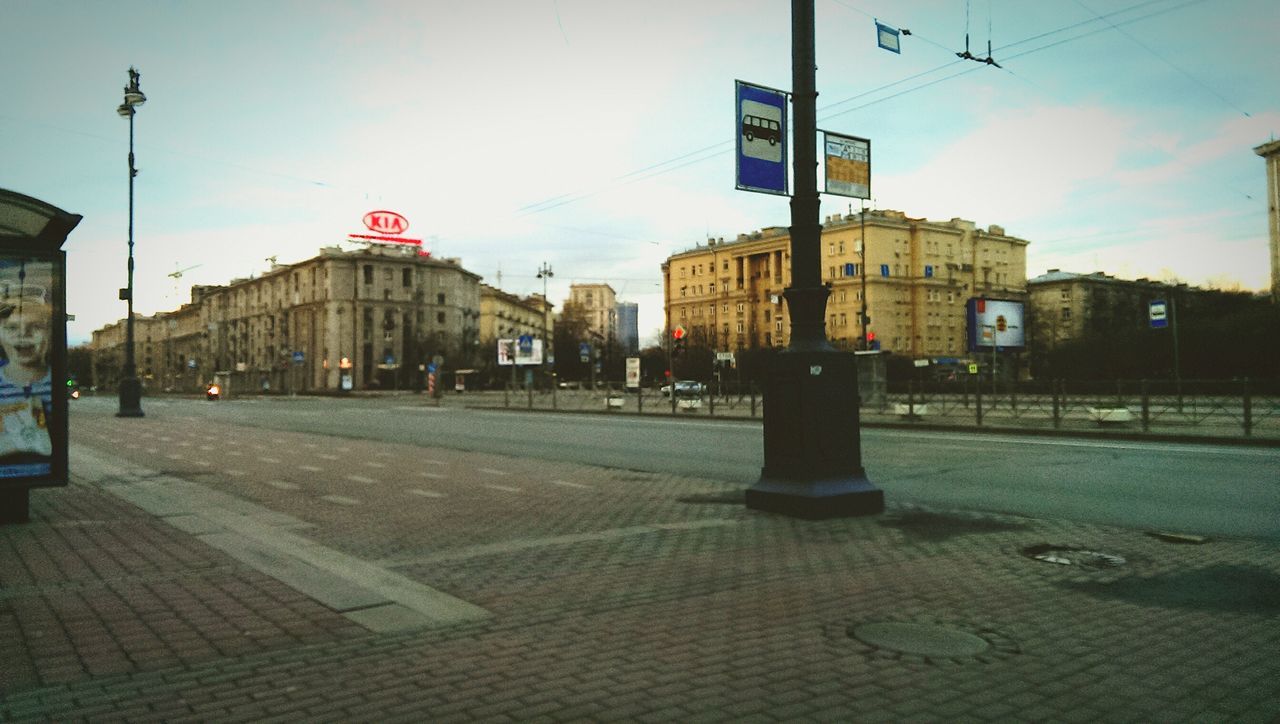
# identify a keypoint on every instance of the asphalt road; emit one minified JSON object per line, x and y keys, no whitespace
{"x":1187,"y":488}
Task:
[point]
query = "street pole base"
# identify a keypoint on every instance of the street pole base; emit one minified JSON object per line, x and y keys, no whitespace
{"x":15,"y":506}
{"x":817,"y":500}
{"x":130,"y":398}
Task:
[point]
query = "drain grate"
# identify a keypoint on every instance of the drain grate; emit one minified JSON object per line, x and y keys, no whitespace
{"x":1072,"y":556}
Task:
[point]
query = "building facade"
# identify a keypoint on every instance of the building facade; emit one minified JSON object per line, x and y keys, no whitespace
{"x":378,"y":314}
{"x":629,"y":327}
{"x":598,"y":304}
{"x":915,"y":276}
{"x":506,"y":316}
{"x":1271,"y":153}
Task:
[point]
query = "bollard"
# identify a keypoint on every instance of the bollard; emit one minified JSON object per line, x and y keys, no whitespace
{"x":1247,"y":400}
{"x":1146,"y":406}
{"x":1054,"y":386}
{"x":977,"y":402}
{"x":753,"y":399}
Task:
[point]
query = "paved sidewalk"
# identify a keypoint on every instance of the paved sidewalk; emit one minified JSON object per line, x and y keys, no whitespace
{"x":140,"y":594}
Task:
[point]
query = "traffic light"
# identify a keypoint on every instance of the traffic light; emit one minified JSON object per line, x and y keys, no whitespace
{"x":871,"y":337}
{"x":679,"y":347}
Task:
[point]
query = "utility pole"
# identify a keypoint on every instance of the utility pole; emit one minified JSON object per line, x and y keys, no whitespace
{"x":812,"y":441}
{"x":545,"y":273}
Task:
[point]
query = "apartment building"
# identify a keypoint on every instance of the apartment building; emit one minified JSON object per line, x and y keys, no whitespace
{"x":507,"y":316}
{"x":598,"y":304}
{"x":915,"y":276}
{"x":375,"y":313}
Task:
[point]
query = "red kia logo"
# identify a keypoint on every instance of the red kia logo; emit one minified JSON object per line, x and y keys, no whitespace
{"x":386,"y":222}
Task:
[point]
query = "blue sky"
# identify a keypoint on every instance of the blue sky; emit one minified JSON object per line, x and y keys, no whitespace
{"x":597,"y":135}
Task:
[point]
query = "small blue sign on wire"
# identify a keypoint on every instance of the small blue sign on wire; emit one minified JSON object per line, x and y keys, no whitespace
{"x":888,"y":38}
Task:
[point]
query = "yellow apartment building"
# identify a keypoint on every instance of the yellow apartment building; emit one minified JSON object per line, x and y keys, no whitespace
{"x":916,"y":276}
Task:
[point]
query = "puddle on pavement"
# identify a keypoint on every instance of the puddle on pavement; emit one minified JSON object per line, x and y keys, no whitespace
{"x":1222,"y":588}
{"x":935,"y":527}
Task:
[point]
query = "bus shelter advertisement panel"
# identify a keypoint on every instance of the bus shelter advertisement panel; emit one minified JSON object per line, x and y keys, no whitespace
{"x":995,"y":322}
{"x":31,"y":427}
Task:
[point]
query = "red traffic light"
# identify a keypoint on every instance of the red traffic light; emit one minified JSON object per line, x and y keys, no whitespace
{"x":677,"y":333}
{"x":871,"y":336}
{"x":668,"y":373}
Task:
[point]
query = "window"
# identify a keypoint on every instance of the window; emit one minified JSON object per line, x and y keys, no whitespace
{"x":406,"y":277}
{"x":386,"y":274}
{"x":778,"y":325}
{"x":1066,"y":312}
{"x":831,"y":272}
{"x":440,"y":298}
{"x":767,"y":316}
{"x":440,"y":317}
{"x":840,"y":248}
{"x":739,"y":327}
{"x":741,"y":306}
{"x":368,"y":273}
{"x":1066,"y":295}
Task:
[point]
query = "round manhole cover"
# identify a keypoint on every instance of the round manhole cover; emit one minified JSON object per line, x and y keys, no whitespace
{"x":920,"y":639}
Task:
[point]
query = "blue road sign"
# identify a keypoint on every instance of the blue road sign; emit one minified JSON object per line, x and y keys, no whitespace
{"x":888,"y":37}
{"x":760,"y":127}
{"x":298,"y":357}
{"x":1158,"y":311}
{"x":431,"y":368}
{"x":526,"y":343}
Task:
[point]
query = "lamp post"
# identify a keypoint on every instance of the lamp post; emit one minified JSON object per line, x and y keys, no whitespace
{"x":812,"y":441}
{"x":545,"y":273}
{"x":130,"y":386}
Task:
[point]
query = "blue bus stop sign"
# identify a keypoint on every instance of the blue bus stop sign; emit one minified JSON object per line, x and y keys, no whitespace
{"x":760,"y":128}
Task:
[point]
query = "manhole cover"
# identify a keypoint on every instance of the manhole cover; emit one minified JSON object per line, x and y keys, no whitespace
{"x":1072,"y":556}
{"x":920,"y":639}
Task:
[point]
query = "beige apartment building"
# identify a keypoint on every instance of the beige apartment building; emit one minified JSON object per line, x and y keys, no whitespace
{"x":599,"y":304}
{"x":1064,"y":305}
{"x":506,"y":316}
{"x":916,"y":276}
{"x":378,"y":314}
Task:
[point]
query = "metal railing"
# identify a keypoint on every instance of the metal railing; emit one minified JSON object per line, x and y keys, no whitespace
{"x":1201,"y":408}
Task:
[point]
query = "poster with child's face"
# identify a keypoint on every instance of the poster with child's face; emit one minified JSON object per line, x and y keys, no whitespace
{"x":26,"y":384}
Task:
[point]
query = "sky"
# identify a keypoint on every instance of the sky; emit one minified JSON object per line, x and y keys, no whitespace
{"x":597,"y":136}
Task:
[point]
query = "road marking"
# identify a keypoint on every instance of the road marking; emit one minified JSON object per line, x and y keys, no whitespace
{"x":310,"y":468}
{"x":503,"y":488}
{"x":361,"y":479}
{"x":372,"y":464}
{"x":490,"y":471}
{"x":268,"y":460}
{"x":344,"y":449}
{"x":237,"y":453}
{"x":328,"y":457}
{"x":382,"y":454}
{"x":282,"y":485}
{"x":131,"y":446}
{"x":435,"y":476}
{"x":1146,"y":446}
{"x":205,"y":463}
{"x":206,"y":447}
{"x":184,"y":443}
{"x":568,"y":484}
{"x":152,"y":451}
{"x":433,"y":462}
{"x":425,"y":493}
{"x":311,"y":445}
{"x":340,"y":500}
{"x":236,"y":473}
{"x":174,"y":457}
{"x":165,"y":439}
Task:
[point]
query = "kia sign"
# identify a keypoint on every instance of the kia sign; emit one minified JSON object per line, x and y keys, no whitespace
{"x":387,"y":227}
{"x":386,"y":222}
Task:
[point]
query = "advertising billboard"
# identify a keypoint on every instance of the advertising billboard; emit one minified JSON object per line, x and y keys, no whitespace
{"x":847,"y":163}
{"x":995,"y":323}
{"x":524,"y":351}
{"x":32,"y":407}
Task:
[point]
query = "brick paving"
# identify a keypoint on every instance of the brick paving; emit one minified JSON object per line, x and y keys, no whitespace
{"x":615,"y":596}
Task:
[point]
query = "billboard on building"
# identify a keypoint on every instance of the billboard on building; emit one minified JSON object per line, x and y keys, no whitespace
{"x":995,"y":323}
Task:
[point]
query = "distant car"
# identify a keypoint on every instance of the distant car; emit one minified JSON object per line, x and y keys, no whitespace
{"x":684,"y":388}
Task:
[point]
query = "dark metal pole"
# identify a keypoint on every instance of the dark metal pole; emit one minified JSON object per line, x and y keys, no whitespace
{"x":130,"y":386}
{"x":812,"y":441}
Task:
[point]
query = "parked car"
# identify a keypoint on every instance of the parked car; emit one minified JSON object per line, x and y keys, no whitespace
{"x":685,"y":388}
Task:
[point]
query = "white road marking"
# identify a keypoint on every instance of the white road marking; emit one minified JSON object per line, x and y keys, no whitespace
{"x":165,"y":439}
{"x":503,"y":488}
{"x":568,"y":484}
{"x":152,"y":450}
{"x":425,"y":493}
{"x":361,"y":479}
{"x":310,"y":468}
{"x":372,"y":464}
{"x":282,"y":485}
{"x":184,"y":443}
{"x":269,"y":460}
{"x":490,"y":471}
{"x":131,"y":446}
{"x":205,"y":463}
{"x":328,"y":457}
{"x":206,"y":447}
{"x":174,"y":457}
{"x":237,"y":453}
{"x":340,"y":499}
{"x":435,"y":476}
{"x":433,"y":462}
{"x":382,"y":454}
{"x":310,"y":445}
{"x":236,"y":473}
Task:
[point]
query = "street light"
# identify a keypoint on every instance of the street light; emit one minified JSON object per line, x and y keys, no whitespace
{"x":545,"y":273}
{"x":130,"y":386}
